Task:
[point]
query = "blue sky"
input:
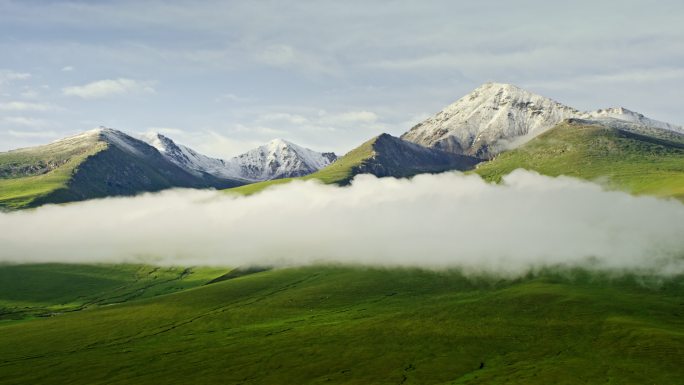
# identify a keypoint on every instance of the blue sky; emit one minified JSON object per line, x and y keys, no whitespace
{"x":225,"y":76}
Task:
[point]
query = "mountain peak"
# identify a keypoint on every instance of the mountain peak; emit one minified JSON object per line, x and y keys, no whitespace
{"x":482,"y":122}
{"x":499,"y":116}
{"x":279,"y":142}
{"x":280,"y":158}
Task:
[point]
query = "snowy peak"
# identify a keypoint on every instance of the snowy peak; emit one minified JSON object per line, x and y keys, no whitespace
{"x":191,"y":160}
{"x":483,"y":122}
{"x":281,"y":159}
{"x":276,"y":159}
{"x":622,"y":115}
{"x":497,"y":116}
{"x":112,"y":137}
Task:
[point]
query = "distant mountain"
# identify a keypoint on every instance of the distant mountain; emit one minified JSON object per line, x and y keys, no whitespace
{"x":190,"y":160}
{"x":615,"y":157}
{"x":383,"y":155}
{"x":280,"y":159}
{"x":496,"y":117}
{"x":98,"y":163}
{"x":392,"y":156}
{"x":274,"y":160}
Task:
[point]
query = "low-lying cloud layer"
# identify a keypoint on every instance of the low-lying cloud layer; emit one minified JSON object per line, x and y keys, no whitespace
{"x":432,"y":221}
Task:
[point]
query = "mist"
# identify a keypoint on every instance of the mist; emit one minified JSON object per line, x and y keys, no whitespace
{"x":440,"y":221}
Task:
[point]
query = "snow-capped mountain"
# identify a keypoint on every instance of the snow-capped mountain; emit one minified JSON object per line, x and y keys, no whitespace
{"x":624,"y":116}
{"x":276,"y":159}
{"x":497,"y":116}
{"x":280,"y":159}
{"x":190,"y":159}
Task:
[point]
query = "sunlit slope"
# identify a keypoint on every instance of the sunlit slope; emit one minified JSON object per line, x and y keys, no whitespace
{"x":364,"y":326}
{"x":617,"y":158}
{"x":31,"y":173}
{"x":95,"y":164}
{"x":44,"y":290}
{"x":383,"y":155}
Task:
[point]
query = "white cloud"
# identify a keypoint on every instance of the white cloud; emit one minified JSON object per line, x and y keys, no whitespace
{"x":284,"y":117}
{"x":287,"y":56}
{"x":7,"y":77}
{"x":233,"y":98}
{"x":108,"y":87}
{"x":32,"y":134}
{"x":30,"y":94}
{"x":432,"y":221}
{"x":68,"y":69}
{"x":24,"y":121}
{"x":26,"y":106}
{"x":351,"y":117}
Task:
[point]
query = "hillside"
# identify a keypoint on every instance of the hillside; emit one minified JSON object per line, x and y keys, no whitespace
{"x":383,"y":155}
{"x":365,"y":326}
{"x":97,"y":163}
{"x":28,"y":291}
{"x":615,"y":157}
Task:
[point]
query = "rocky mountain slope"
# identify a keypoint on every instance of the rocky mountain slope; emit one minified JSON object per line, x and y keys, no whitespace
{"x":496,"y":117}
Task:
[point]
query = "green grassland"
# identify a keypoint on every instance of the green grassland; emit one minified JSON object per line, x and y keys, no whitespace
{"x":614,"y":158}
{"x":32,"y":173}
{"x":28,"y":291}
{"x":350,"y":325}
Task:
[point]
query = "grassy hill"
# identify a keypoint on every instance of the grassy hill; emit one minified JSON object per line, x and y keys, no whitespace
{"x":90,"y":165}
{"x":383,"y":155}
{"x":616,"y":158}
{"x":28,"y":291}
{"x":31,"y":173}
{"x":365,"y":326}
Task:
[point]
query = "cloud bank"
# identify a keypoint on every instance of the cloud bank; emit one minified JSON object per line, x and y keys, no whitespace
{"x":431,"y":221}
{"x":107,"y":87}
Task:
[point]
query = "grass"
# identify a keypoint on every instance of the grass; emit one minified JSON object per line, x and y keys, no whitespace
{"x":43,"y":290}
{"x":27,"y":175}
{"x":616,"y":159}
{"x":365,"y":326}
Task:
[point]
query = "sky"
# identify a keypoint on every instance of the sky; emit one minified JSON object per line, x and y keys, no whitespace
{"x":226,"y":76}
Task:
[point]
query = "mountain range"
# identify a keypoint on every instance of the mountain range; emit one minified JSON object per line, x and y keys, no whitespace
{"x":107,"y":162}
{"x":496,"y":117}
{"x":276,"y":159}
{"x":492,"y":130}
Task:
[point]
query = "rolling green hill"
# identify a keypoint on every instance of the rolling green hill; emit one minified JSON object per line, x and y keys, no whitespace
{"x":383,"y":155}
{"x":365,"y":326}
{"x":42,"y":290}
{"x":617,"y":158}
{"x":95,"y":164}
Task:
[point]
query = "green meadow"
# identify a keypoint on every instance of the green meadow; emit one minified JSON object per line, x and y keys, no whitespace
{"x":614,"y":158}
{"x":352,"y":325}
